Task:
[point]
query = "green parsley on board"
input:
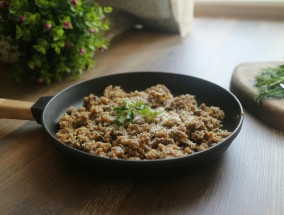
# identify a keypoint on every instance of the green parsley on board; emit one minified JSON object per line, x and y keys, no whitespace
{"x":270,"y":83}
{"x":127,"y":111}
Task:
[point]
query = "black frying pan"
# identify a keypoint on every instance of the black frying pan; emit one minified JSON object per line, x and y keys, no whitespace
{"x":48,"y":110}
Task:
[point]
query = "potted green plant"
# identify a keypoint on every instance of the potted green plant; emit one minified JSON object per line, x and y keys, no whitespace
{"x":52,"y":38}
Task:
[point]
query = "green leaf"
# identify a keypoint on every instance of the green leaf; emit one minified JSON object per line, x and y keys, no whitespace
{"x":107,"y":9}
{"x":18,"y":32}
{"x":43,"y":43}
{"x":57,"y":33}
{"x":39,"y":49}
{"x":91,"y":47}
{"x":31,"y":19}
{"x":42,"y":3}
{"x":57,"y":50}
{"x":26,"y":34}
{"x":14,"y":6}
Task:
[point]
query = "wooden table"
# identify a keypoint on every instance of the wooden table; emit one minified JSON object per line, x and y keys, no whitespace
{"x":248,"y":179}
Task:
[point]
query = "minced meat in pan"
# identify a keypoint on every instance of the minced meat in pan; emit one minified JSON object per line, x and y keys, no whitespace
{"x":139,"y":125}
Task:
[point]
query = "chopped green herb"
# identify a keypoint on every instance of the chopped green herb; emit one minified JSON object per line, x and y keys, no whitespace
{"x":269,"y":84}
{"x":127,"y":111}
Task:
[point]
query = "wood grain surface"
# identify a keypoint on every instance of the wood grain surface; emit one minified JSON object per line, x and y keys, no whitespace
{"x":248,"y":179}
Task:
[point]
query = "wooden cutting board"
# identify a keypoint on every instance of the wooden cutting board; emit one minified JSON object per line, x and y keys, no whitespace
{"x":270,"y":111}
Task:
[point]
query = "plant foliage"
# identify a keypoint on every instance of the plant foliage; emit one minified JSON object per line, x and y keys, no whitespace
{"x":53,"y":38}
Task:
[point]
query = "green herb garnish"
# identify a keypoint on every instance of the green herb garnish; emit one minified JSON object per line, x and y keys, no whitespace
{"x":127,"y":111}
{"x":270,"y":84}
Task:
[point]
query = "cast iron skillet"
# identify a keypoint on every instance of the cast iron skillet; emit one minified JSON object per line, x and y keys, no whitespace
{"x":48,"y":110}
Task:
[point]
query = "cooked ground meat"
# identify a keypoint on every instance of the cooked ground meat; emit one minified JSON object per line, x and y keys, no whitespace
{"x":179,"y":127}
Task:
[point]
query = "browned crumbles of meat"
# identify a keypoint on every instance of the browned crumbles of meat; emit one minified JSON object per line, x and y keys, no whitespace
{"x":180,"y":126}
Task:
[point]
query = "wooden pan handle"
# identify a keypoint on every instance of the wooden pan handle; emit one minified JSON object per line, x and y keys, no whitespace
{"x":14,"y":109}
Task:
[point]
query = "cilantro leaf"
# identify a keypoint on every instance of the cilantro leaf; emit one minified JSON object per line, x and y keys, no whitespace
{"x":126,"y":112}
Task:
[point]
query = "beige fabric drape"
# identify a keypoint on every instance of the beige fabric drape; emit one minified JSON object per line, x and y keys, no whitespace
{"x":167,"y":15}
